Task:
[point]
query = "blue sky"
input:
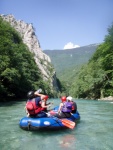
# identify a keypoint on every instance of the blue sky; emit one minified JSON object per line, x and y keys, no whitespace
{"x":58,"y":22}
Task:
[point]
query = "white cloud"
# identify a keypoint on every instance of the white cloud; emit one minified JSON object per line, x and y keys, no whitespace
{"x":70,"y":46}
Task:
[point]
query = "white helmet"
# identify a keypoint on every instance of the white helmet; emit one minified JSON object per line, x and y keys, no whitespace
{"x":69,"y":98}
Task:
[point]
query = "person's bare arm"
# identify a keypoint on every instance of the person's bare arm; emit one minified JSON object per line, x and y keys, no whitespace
{"x":38,"y":94}
{"x":60,"y":106}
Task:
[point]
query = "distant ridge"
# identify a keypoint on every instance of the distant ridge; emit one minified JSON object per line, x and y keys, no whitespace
{"x":90,"y":45}
{"x":65,"y":61}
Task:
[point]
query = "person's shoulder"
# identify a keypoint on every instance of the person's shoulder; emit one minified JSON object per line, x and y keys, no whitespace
{"x":29,"y":100}
{"x":38,"y":99}
{"x":61,"y":103}
{"x":74,"y":103}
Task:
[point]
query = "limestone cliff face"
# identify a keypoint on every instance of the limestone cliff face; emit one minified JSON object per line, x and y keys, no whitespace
{"x":43,"y":61}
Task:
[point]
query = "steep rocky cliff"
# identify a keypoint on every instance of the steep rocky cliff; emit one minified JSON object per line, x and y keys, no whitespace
{"x":27,"y":32}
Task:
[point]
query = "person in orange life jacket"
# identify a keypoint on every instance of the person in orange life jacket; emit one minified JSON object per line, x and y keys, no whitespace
{"x":36,"y":108}
{"x":64,"y":110}
{"x":74,"y":105}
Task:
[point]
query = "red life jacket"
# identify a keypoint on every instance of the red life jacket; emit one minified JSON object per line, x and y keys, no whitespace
{"x":32,"y":108}
{"x":73,"y":108}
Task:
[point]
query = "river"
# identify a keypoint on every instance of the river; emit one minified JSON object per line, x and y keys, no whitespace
{"x":94,"y":131}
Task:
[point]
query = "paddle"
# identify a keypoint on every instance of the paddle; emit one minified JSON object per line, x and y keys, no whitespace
{"x":68,"y":123}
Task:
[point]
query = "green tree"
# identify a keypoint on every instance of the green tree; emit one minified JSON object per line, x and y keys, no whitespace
{"x":95,"y":79}
{"x":18,"y":70}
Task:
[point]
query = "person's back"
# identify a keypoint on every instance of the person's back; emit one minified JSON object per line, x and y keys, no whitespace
{"x":74,"y":105}
{"x":36,"y":104}
{"x":67,"y":107}
{"x":33,"y":104}
{"x":64,"y":110}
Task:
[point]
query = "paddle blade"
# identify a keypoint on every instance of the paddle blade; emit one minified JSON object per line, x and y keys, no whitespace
{"x":68,"y":123}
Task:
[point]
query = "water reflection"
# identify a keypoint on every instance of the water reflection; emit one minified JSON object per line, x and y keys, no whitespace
{"x":68,"y":142}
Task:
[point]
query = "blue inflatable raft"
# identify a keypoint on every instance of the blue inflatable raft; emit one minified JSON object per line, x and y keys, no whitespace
{"x":51,"y":122}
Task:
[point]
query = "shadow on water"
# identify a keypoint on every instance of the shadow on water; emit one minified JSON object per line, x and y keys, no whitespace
{"x":11,"y":103}
{"x":51,"y":130}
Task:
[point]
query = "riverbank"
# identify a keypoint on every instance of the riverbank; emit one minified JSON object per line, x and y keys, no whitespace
{"x":109,"y":98}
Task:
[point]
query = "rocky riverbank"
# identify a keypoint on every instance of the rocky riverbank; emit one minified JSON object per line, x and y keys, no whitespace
{"x":109,"y":98}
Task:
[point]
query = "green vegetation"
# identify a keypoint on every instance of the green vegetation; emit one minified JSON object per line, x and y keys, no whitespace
{"x":95,"y":79}
{"x":86,"y":72}
{"x":68,"y":62}
{"x":18,"y":70}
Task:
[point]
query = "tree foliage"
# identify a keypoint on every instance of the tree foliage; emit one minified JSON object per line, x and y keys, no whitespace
{"x":95,"y":79}
{"x":18,"y":70}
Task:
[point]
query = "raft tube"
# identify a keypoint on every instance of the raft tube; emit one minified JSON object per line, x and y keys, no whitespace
{"x":32,"y":124}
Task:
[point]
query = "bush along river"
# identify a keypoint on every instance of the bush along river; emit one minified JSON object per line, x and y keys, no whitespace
{"x":94,"y":130}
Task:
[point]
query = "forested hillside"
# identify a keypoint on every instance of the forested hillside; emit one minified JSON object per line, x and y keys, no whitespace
{"x":18,"y":70}
{"x":68,"y":62}
{"x":86,"y":72}
{"x":95,"y":79}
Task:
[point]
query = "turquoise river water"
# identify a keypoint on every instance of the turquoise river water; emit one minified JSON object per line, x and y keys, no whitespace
{"x":94,"y":131}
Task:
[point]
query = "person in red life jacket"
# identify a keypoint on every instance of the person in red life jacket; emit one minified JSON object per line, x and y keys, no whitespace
{"x":34,"y":105}
{"x":74,"y":105}
{"x":65,"y":108}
